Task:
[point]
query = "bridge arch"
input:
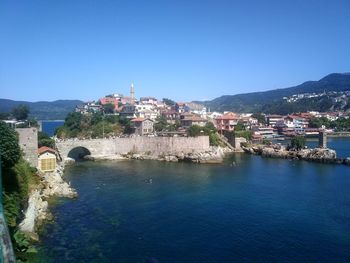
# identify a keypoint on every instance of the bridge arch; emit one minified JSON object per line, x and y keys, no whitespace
{"x":78,"y":153}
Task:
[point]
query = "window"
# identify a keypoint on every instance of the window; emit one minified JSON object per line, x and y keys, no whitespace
{"x":48,"y":164}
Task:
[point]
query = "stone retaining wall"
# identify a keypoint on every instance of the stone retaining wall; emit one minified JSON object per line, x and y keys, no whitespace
{"x":155,"y":146}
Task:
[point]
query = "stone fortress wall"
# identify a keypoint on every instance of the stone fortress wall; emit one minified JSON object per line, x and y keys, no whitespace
{"x":28,"y":141}
{"x":153,"y":146}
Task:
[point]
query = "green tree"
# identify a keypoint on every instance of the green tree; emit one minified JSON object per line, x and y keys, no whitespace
{"x":194,"y":131}
{"x":260,"y":117}
{"x":161,"y":124}
{"x":4,"y":115}
{"x":239,"y":126}
{"x":73,"y":120}
{"x":169,"y":102}
{"x":319,"y":122}
{"x":112,"y":119}
{"x":298,"y":142}
{"x":45,"y":140}
{"x":9,"y":148}
{"x":108,"y":108}
{"x":245,"y":134}
{"x":127,"y":125}
{"x":20,"y":112}
{"x":214,"y":139}
{"x":210,"y":126}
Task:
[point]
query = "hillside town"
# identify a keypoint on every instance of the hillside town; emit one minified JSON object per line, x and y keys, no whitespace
{"x":146,"y":112}
{"x":336,"y":96}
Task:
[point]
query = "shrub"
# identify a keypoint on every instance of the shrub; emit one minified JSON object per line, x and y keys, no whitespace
{"x":9,"y":148}
{"x":298,"y":142}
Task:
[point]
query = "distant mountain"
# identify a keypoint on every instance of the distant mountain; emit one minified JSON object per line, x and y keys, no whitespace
{"x":43,"y":110}
{"x":260,"y":101}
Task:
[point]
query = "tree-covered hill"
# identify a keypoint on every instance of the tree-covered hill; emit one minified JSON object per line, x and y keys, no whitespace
{"x":43,"y":110}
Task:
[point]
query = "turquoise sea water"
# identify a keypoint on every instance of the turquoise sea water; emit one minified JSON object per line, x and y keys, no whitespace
{"x":249,"y":209}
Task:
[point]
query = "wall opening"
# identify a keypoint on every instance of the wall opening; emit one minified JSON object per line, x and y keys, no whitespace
{"x":78,"y":153}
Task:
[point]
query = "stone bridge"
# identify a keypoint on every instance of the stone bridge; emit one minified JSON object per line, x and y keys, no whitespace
{"x":154,"y":146}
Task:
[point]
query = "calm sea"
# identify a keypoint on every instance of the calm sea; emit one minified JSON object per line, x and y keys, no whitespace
{"x":249,"y":209}
{"x":49,"y":127}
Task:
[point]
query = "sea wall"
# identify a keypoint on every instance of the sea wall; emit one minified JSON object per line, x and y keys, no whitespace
{"x":153,"y":146}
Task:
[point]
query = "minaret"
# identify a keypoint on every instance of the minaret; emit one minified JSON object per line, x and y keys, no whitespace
{"x":132,"y":93}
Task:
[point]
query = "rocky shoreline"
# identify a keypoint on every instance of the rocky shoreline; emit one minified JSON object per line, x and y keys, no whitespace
{"x":51,"y":184}
{"x":215,"y":154}
{"x":320,"y":155}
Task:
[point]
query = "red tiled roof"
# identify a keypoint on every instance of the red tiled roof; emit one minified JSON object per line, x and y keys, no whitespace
{"x":274,"y":116}
{"x":138,"y":120}
{"x":228,"y":116}
{"x":43,"y":149}
{"x":194,"y":118}
{"x":295,"y":117}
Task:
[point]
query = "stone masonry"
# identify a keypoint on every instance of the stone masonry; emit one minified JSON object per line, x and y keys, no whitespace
{"x":28,"y":141}
{"x":154,"y":146}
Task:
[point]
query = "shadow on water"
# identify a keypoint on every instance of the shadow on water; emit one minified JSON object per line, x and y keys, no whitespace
{"x":78,"y":153}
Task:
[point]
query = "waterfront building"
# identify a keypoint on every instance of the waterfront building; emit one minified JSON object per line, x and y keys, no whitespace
{"x":90,"y":106}
{"x":188,"y":121}
{"x":296,"y":122}
{"x":148,"y":100}
{"x":109,"y":100}
{"x":248,"y":121}
{"x":311,"y":132}
{"x":142,"y":126}
{"x":226,"y":122}
{"x":128,"y":111}
{"x":146,"y":111}
{"x":213,"y":115}
{"x":171,"y":116}
{"x":271,"y":120}
{"x":264,"y":132}
{"x":147,"y":114}
{"x":46,"y":159}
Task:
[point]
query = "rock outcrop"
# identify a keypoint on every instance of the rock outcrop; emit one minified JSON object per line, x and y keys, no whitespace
{"x":52,"y":184}
{"x":347,"y":161}
{"x":213,"y":155}
{"x":277,"y":151}
{"x":36,"y":212}
{"x":56,"y":186}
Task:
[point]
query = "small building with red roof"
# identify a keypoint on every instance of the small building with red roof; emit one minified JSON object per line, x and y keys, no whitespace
{"x":46,"y":159}
{"x":226,"y":122}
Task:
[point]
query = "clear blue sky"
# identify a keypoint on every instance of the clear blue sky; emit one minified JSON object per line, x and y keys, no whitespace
{"x":181,"y":49}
